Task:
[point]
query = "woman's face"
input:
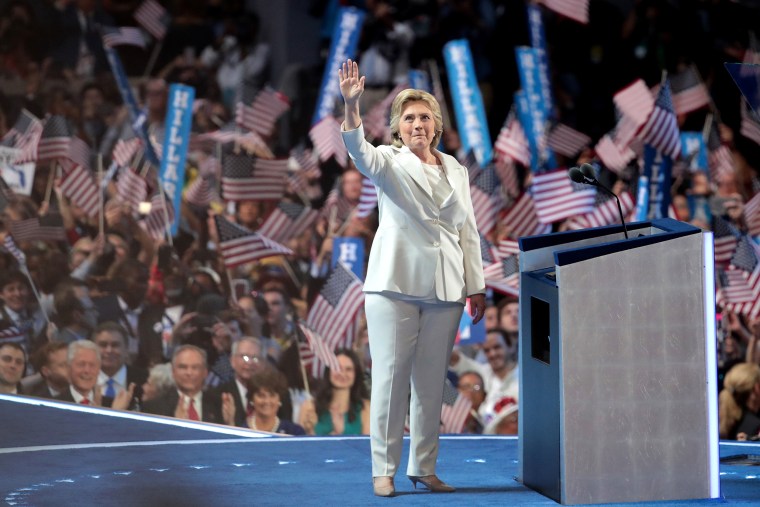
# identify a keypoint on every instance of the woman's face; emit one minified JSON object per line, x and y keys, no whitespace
{"x":343,"y":379}
{"x":417,"y":126}
{"x":266,"y":403}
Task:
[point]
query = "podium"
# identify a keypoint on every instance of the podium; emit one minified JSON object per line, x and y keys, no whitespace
{"x":618,"y":394}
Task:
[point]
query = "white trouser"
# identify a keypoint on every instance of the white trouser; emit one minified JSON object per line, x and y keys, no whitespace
{"x":409,"y":341}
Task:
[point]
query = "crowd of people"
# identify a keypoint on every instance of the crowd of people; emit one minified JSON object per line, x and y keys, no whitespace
{"x":112,"y":315}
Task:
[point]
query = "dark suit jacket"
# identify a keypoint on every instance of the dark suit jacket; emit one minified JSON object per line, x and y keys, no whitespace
{"x":148,"y":328}
{"x":167,"y":404}
{"x":40,"y":390}
{"x":66,"y":50}
{"x":66,"y":395}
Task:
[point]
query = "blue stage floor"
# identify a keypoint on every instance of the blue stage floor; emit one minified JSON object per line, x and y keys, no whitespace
{"x":53,"y":455}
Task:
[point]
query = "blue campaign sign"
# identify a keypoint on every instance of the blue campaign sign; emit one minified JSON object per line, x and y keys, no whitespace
{"x":694,"y":151}
{"x":529,"y":68}
{"x":137,"y":118}
{"x":350,"y":252}
{"x":538,"y":42}
{"x":179,"y":118}
{"x":419,"y":80}
{"x":469,"y":334}
{"x":344,"y":41}
{"x":468,"y":102}
{"x":658,"y":169}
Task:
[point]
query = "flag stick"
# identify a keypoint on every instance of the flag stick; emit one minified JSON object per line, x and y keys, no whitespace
{"x":167,"y":223}
{"x":153,"y":57}
{"x":51,"y":180}
{"x":300,"y":359}
{"x":36,"y":294}
{"x":101,"y":207}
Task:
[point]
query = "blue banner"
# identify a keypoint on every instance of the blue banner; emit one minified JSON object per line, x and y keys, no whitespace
{"x":658,"y":170}
{"x":135,"y":115}
{"x":694,"y":150}
{"x":469,"y":334}
{"x":523,"y":115}
{"x":419,"y":80}
{"x":349,"y":251}
{"x":528,"y":68}
{"x":344,"y":41}
{"x":468,"y":102}
{"x":179,"y":119}
{"x":538,"y":43}
{"x":642,"y":199}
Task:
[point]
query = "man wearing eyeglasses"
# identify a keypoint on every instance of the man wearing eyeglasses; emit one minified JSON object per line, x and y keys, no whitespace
{"x":246,"y":360}
{"x":12,"y":366}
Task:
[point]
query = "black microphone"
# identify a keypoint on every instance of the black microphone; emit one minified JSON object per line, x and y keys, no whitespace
{"x":585,"y":174}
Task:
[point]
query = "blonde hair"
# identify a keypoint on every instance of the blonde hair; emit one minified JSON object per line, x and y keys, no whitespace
{"x":400,"y":102}
{"x":737,"y":387}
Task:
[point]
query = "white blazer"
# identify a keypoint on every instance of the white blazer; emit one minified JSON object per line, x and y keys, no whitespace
{"x":414,"y":234}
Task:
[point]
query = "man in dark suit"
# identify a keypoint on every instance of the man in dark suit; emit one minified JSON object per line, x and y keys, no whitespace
{"x":84,"y":367}
{"x":189,"y":400}
{"x":115,"y":376}
{"x":246,"y":360}
{"x":79,"y":50}
{"x":126,"y":306}
{"x":51,"y":361}
{"x":12,"y":366}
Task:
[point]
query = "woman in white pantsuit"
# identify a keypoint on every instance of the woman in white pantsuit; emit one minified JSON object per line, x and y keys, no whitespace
{"x":425,"y":261}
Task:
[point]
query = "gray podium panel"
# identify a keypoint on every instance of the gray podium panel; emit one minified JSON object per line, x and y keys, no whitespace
{"x":616,"y":384}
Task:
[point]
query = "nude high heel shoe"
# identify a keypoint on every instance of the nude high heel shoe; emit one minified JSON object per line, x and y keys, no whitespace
{"x":383,"y":486}
{"x":432,"y":483}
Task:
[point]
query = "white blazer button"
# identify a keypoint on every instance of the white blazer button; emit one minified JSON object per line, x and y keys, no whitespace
{"x":435,"y":243}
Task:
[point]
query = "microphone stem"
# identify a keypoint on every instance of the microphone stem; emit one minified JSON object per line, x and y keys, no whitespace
{"x":620,"y":208}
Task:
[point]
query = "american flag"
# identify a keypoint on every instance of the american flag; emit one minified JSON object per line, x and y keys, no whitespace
{"x":635,"y":101}
{"x":605,"y":213}
{"x":470,"y":162}
{"x":720,"y":160}
{"x":752,"y":215}
{"x":122,"y":36}
{"x":55,"y":139}
{"x":246,"y":178}
{"x":504,"y":275}
{"x":747,"y":254}
{"x":13,"y":334}
{"x":25,"y":136}
{"x":333,"y":311}
{"x":327,"y":140}
{"x":367,"y":199}
{"x":485,"y":201}
{"x":288,"y":220}
{"x":556,"y":197}
{"x":319,"y":348}
{"x":689,"y":92}
{"x":661,"y":129}
{"x":78,"y":184}
{"x":251,"y":141}
{"x":201,"y":192}
{"x":511,"y":143}
{"x":260,"y":116}
{"x":521,"y":219}
{"x":750,"y":126}
{"x":454,"y":410}
{"x":125,"y":149}
{"x":239,"y":245}
{"x":566,"y":140}
{"x":507,"y":247}
{"x":741,"y":285}
{"x":576,"y":10}
{"x":14,"y":250}
{"x":337,"y":204}
{"x":45,"y":228}
{"x":160,"y":218}
{"x":308,"y":170}
{"x":376,"y":121}
{"x":131,"y":188}
{"x":614,"y":156}
{"x":153,"y":18}
{"x":488,"y":252}
{"x":725,"y":240}
{"x":507,"y":173}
